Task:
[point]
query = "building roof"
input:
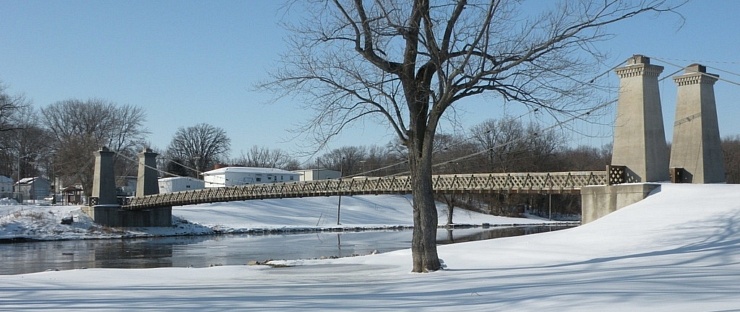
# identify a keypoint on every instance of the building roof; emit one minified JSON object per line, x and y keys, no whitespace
{"x":249,"y":170}
{"x":72,"y":188}
{"x":316,"y":170}
{"x":4,"y":179}
{"x":30,"y":180}
{"x":178,"y":178}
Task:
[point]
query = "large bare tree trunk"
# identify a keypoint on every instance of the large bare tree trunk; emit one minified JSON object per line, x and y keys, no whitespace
{"x":424,"y":238}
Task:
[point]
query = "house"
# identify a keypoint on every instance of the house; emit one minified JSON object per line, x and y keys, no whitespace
{"x":6,"y":187}
{"x":231,"y":176}
{"x":178,"y":184}
{"x":33,"y":188}
{"x":317,"y":174}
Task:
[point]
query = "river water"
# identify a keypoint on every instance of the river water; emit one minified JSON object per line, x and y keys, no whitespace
{"x":214,"y":250}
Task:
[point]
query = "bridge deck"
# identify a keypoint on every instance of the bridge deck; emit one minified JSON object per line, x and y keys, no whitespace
{"x":553,"y":182}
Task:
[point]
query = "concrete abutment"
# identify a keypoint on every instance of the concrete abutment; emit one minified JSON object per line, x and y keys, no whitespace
{"x":600,"y":200}
{"x":106,"y":209}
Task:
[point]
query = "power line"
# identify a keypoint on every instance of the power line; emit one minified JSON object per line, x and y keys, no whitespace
{"x":701,"y":62}
{"x":704,"y":74}
{"x":470,"y":138}
{"x":162,"y":171}
{"x":579,"y":116}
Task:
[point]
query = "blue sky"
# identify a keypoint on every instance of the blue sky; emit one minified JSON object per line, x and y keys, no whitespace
{"x":188,"y":62}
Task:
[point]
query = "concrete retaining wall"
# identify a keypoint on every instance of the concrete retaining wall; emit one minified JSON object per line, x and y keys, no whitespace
{"x":599,"y":201}
{"x":114,"y":216}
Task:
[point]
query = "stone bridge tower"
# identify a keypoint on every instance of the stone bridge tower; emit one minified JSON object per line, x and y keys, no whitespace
{"x":639,"y":135}
{"x":696,"y":153}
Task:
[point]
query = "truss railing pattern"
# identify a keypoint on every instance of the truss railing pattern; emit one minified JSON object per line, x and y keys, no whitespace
{"x":553,"y":182}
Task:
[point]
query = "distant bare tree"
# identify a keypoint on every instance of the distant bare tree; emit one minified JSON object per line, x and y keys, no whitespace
{"x":267,"y":158}
{"x":731,"y":150}
{"x":584,"y":158}
{"x":448,"y":149}
{"x":10,"y":107}
{"x":15,"y":160}
{"x":24,"y":148}
{"x":79,"y":128}
{"x":199,"y":147}
{"x":346,"y":159}
{"x":377,"y":157}
{"x":511,"y":146}
{"x":408,"y":62}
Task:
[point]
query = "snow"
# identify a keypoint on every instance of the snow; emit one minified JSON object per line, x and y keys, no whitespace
{"x":677,"y":250}
{"x":294,"y":214}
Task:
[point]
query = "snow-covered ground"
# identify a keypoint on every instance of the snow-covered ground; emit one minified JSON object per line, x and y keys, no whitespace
{"x":317,"y":213}
{"x":677,"y":250}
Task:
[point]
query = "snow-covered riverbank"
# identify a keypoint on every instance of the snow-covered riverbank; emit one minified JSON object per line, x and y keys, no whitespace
{"x":21,"y":222}
{"x":677,"y":250}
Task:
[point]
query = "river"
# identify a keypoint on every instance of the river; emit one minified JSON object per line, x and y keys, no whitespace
{"x":214,"y":250}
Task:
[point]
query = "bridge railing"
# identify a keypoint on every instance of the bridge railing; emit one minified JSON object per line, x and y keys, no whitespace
{"x":552,"y":182}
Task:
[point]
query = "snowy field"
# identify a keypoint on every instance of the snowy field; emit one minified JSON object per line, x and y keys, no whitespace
{"x":293,"y":214}
{"x":677,"y":250}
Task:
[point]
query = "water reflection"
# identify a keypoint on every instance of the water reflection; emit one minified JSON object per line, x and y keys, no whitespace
{"x":461,"y":236}
{"x":204,"y":251}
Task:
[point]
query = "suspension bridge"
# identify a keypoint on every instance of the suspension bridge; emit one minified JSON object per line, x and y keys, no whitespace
{"x":640,"y":155}
{"x":531,"y":183}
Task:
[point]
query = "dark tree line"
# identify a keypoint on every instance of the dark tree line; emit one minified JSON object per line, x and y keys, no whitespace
{"x":731,"y":150}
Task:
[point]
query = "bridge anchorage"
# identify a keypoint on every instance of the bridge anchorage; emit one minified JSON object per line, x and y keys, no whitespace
{"x":639,"y":160}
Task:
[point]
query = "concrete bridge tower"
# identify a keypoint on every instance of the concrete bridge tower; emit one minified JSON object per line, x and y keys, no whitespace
{"x":106,"y":210}
{"x":696,"y":145}
{"x":146,"y":181}
{"x":104,"y":181}
{"x":639,"y":136}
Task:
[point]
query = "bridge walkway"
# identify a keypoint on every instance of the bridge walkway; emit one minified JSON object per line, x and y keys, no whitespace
{"x":536,"y":183}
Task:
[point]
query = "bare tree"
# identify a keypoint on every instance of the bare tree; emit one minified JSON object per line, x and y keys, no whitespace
{"x":585,"y":158}
{"x":24,"y":147}
{"x":199,"y":147}
{"x":17,"y":127}
{"x":408,"y":62}
{"x":10,"y":107}
{"x":79,"y":128}
{"x":731,"y":150}
{"x":510,"y":146}
{"x":347,"y":159}
{"x":267,"y":158}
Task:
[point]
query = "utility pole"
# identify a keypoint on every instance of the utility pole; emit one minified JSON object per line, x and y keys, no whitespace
{"x":339,"y":204}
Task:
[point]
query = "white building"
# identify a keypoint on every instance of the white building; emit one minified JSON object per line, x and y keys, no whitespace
{"x":178,"y":184}
{"x":230,"y":176}
{"x":318,"y":174}
{"x":6,"y":186}
{"x":34,"y":188}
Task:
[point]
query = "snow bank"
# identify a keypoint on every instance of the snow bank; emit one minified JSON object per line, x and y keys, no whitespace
{"x":7,"y":202}
{"x":677,"y":250}
{"x":305,"y":214}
